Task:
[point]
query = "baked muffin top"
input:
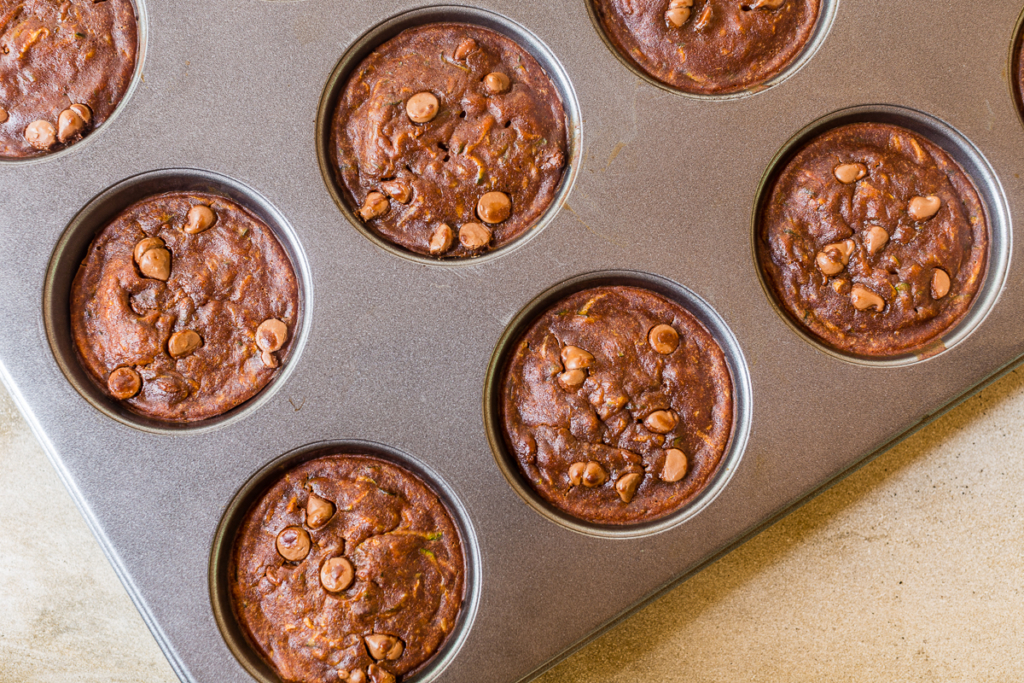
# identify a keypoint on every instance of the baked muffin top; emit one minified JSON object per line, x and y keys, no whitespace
{"x":184,"y":306}
{"x":874,"y":240}
{"x":617,"y":405}
{"x":449,"y":140}
{"x":347,"y":569}
{"x":64,"y":67}
{"x":709,"y":47}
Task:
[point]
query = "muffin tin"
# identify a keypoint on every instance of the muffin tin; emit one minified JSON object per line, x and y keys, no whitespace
{"x":395,"y":351}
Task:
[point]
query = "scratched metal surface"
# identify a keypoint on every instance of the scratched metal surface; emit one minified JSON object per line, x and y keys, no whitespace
{"x":396,"y":351}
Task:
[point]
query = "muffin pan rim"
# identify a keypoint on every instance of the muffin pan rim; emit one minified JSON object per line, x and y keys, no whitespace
{"x":1014,"y":69}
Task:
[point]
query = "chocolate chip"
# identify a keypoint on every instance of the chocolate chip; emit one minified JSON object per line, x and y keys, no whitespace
{"x":834,"y":257}
{"x":293,"y":543}
{"x":397,"y":190}
{"x":83,"y":111}
{"x":144,"y":245}
{"x":575,"y":358}
{"x":474,"y":236}
{"x":41,"y":134}
{"x":465,"y":48}
{"x":663,"y":338}
{"x":318,"y":511}
{"x":441,"y":239}
{"x":850,"y":173}
{"x":336,"y":574}
{"x":593,"y":474}
{"x":199,"y":218}
{"x":627,"y":486}
{"x":494,"y":207}
{"x":678,"y":12}
{"x":153,"y":259}
{"x":496,"y":83}
{"x":940,"y":283}
{"x":863,"y":299}
{"x":124,"y":383}
{"x":376,"y":204}
{"x":183,"y":343}
{"x":422,"y":107}
{"x":69,"y":124}
{"x":875,"y":239}
{"x":675,"y":466}
{"x":829,"y":263}
{"x":571,"y":380}
{"x":677,"y":16}
{"x":380,"y":675}
{"x":271,"y":335}
{"x":923,"y":208}
{"x":661,"y":421}
{"x":381,"y":646}
{"x":704,"y":19}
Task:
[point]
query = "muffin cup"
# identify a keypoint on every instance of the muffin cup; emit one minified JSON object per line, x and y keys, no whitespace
{"x":259,"y":483}
{"x":93,"y":218}
{"x":390,"y":28}
{"x":693,"y":304}
{"x":979,"y":173}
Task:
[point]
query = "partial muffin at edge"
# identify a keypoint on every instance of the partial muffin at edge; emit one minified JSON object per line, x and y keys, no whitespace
{"x":64,"y":68}
{"x":709,"y":47}
{"x":349,"y":568}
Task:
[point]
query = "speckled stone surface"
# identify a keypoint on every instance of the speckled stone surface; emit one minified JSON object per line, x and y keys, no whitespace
{"x":912,"y":569}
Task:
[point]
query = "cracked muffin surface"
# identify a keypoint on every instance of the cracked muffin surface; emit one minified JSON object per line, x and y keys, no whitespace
{"x":709,"y":46}
{"x":184,"y":306}
{"x":617,"y":405}
{"x":874,"y":240}
{"x":348,"y":568}
{"x":447,"y":126}
{"x":55,"y":55}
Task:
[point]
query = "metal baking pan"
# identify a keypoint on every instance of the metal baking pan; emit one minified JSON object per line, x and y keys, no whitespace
{"x":394,"y":351}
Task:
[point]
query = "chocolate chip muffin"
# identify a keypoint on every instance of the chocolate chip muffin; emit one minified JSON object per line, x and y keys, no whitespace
{"x":709,"y":47}
{"x":184,"y":307}
{"x":449,"y":140}
{"x":348,"y":569}
{"x":874,"y":240}
{"x":64,"y":67}
{"x":617,"y":405}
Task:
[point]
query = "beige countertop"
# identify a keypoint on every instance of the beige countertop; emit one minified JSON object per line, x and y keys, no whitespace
{"x":912,"y":569}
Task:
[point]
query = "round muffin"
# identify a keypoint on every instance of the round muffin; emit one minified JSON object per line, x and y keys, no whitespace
{"x":184,"y":307}
{"x":617,"y":405}
{"x":709,"y":47}
{"x":874,"y":240}
{"x":64,"y":67}
{"x":449,"y":140}
{"x":348,"y":569}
